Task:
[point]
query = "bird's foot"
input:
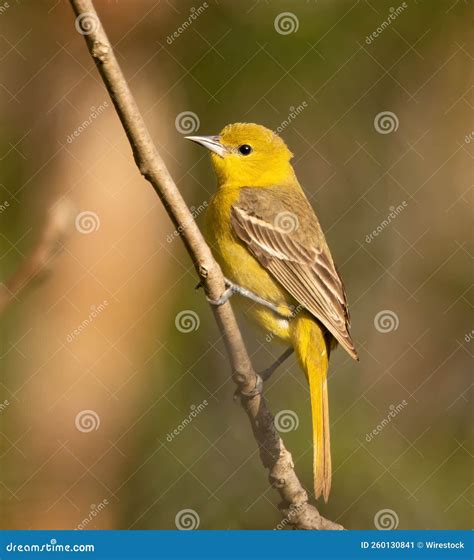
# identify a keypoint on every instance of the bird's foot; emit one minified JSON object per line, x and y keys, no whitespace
{"x":263,"y":376}
{"x":257,"y":390}
{"x":232,"y":288}
{"x":226,"y":295}
{"x":269,"y":371}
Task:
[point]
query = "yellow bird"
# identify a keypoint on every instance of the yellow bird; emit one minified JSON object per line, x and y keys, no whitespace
{"x":268,"y":241}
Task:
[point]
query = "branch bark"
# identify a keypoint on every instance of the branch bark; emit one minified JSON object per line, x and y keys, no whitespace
{"x":40,"y":260}
{"x":275,"y":457}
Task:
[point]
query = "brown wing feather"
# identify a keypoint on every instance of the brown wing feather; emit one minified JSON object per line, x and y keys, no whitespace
{"x":298,"y":258}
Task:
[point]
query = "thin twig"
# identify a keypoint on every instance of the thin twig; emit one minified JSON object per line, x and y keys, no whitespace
{"x":275,"y":457}
{"x":40,"y":259}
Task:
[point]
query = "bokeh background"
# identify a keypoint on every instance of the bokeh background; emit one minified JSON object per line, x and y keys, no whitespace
{"x":98,"y":365}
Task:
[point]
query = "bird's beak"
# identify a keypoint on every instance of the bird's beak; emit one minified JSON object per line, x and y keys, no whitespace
{"x":210,"y":142}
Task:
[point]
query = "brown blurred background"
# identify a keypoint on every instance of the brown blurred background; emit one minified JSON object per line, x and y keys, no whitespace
{"x":110,"y":349}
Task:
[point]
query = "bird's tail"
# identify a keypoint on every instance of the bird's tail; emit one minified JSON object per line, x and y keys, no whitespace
{"x":312,"y":351}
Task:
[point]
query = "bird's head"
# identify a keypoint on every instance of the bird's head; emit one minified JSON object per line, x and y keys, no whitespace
{"x":248,"y":155}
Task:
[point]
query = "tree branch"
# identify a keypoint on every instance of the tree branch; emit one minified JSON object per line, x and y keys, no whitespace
{"x":275,"y":457}
{"x":39,"y":261}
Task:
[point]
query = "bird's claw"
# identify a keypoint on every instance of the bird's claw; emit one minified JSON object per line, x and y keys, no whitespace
{"x":257,"y":390}
{"x":226,"y":295}
{"x":266,"y":373}
{"x":236,"y":289}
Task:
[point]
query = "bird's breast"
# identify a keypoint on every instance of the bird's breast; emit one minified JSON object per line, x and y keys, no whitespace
{"x":242,"y":268}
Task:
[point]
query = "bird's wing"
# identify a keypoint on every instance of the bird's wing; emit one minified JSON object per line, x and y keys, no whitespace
{"x":280,"y":229}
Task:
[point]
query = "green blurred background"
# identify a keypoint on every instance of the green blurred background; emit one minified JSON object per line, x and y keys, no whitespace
{"x":127,"y":362}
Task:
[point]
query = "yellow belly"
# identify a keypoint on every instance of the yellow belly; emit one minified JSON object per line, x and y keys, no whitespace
{"x":242,"y":268}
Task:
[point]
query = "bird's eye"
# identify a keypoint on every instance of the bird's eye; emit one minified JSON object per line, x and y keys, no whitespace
{"x":245,"y":149}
